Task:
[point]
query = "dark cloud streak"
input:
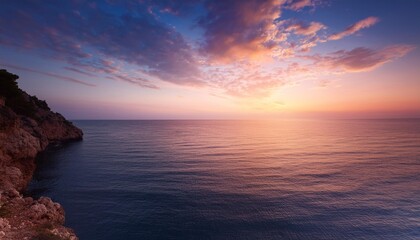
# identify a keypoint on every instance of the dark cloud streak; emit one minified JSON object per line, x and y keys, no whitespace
{"x":48,"y":74}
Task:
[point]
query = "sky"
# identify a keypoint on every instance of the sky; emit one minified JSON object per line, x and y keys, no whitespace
{"x":207,"y":59}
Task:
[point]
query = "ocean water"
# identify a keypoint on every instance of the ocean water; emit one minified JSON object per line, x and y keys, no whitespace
{"x":342,"y":179}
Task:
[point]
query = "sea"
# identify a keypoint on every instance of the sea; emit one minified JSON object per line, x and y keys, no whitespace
{"x":237,"y":179}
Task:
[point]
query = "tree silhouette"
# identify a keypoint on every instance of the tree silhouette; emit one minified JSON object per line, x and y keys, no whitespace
{"x":14,"y":97}
{"x":8,"y":84}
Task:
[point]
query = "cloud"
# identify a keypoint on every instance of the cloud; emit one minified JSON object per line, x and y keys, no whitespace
{"x":250,"y":80}
{"x":242,"y":48}
{"x":95,"y":41}
{"x":134,"y":80}
{"x":297,"y":36}
{"x":48,"y":74}
{"x":255,"y":83}
{"x":299,"y":27}
{"x":299,"y":4}
{"x":79,"y":71}
{"x":361,"y":59}
{"x":86,"y":36}
{"x":310,"y":29}
{"x":240,"y":29}
{"x":365,"y":23}
{"x":254,"y":30}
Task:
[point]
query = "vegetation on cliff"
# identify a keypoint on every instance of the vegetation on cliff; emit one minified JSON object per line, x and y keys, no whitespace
{"x":16,"y":99}
{"x":27,"y":127}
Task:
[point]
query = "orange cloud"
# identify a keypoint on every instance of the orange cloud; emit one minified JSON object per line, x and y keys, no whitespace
{"x":365,"y":23}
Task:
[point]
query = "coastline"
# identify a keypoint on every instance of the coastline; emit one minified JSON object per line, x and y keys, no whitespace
{"x":27,"y":128}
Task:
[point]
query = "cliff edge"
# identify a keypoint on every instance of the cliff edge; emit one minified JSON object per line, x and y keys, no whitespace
{"x":27,"y":127}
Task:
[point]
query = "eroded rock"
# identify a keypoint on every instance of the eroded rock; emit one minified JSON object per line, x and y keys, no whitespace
{"x":27,"y":127}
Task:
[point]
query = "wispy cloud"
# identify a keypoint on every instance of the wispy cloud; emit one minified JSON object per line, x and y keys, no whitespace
{"x":134,"y":80}
{"x":48,"y":74}
{"x":79,"y":71}
{"x":299,"y":4}
{"x":365,"y":23}
{"x":303,"y":29}
{"x":361,"y":59}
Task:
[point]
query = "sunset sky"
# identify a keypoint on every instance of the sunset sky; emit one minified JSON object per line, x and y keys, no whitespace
{"x":192,"y":59}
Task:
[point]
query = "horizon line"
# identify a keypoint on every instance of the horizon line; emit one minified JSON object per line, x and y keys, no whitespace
{"x":241,"y":119}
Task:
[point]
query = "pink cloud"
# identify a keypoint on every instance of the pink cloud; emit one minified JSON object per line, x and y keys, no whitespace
{"x":253,"y":84}
{"x":365,"y":23}
{"x":362,"y":59}
{"x":302,"y":29}
{"x":250,"y":80}
{"x":299,"y":27}
{"x":299,"y":4}
{"x":298,"y":36}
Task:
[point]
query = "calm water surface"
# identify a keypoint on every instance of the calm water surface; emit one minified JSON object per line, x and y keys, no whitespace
{"x":355,"y":179}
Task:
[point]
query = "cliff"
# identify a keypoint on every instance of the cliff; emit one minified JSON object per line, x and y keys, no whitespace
{"x":27,"y":127}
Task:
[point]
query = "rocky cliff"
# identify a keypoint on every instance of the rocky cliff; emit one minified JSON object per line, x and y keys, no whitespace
{"x":27,"y":127}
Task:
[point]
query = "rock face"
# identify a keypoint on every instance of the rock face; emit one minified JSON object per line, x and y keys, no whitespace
{"x":27,"y":127}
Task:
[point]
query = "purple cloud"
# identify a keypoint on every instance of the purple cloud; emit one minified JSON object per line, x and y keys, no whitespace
{"x":48,"y":74}
{"x":361,"y":59}
{"x":238,"y":29}
{"x":86,"y":36}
